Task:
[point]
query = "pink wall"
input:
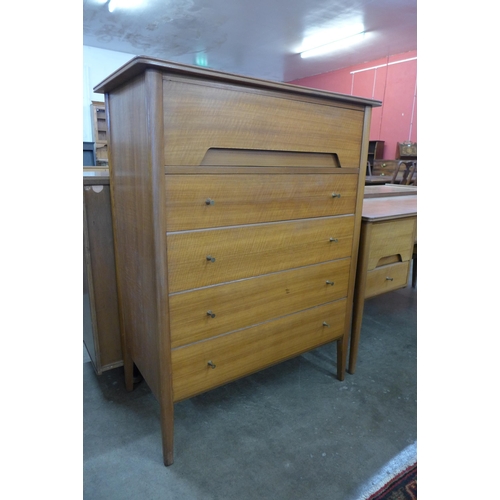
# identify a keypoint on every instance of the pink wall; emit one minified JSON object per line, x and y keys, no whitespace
{"x":392,"y":80}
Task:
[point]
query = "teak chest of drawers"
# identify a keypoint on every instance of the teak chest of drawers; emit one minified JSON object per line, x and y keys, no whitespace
{"x":236,"y":209}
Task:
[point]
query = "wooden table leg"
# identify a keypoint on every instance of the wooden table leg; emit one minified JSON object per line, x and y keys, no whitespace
{"x":359,"y":295}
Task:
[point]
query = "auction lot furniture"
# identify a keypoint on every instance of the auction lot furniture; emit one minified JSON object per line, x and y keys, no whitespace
{"x":237,"y":209}
{"x":388,"y":235}
{"x":101,"y":327}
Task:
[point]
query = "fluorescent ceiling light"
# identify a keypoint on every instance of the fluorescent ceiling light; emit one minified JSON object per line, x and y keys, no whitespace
{"x":126,"y":4}
{"x":341,"y":43}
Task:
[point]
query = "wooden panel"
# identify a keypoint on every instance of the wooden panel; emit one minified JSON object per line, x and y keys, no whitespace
{"x":391,"y":238}
{"x":254,"y":120}
{"x":389,"y":190}
{"x":255,"y":157}
{"x":200,"y":201}
{"x":247,"y":302}
{"x":244,"y":251}
{"x":246,"y":351}
{"x":102,"y":332}
{"x":387,"y":278}
{"x":389,"y":208}
{"x":137,"y":208}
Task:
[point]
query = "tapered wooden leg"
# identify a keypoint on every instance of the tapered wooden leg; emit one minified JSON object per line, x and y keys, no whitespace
{"x":167,"y":424}
{"x":357,"y":318}
{"x":414,"y":271}
{"x":128,"y":367}
{"x":341,"y":357}
{"x":167,"y":435}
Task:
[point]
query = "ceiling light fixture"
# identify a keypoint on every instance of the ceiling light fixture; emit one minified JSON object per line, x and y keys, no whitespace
{"x":334,"y":45}
{"x":127,"y":4}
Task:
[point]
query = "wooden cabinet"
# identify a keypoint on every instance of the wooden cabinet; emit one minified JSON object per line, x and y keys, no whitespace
{"x":100,"y":132}
{"x":101,"y":329}
{"x":237,"y":210}
{"x":388,"y":235}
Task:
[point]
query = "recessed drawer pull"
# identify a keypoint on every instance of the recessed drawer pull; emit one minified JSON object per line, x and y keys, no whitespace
{"x":335,"y":195}
{"x":210,"y":258}
{"x":334,"y":240}
{"x":330,"y":282}
{"x":389,"y":279}
{"x":211,"y":314}
{"x":211,"y":364}
{"x":209,"y":201}
{"x":325,"y":324}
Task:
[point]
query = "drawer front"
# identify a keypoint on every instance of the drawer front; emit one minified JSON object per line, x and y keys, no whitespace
{"x":207,"y":312}
{"x":391,"y":238}
{"x":202,"y":201}
{"x":387,"y":278}
{"x":246,"y":351}
{"x":206,"y":257}
{"x":198,"y":118}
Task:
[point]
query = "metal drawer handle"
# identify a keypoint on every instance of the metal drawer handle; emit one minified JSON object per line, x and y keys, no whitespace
{"x":211,"y":314}
{"x":325,"y":323}
{"x":389,"y":279}
{"x":334,"y":240}
{"x":330,"y":282}
{"x":210,"y":258}
{"x":335,"y":195}
{"x":212,"y":365}
{"x":209,"y":201}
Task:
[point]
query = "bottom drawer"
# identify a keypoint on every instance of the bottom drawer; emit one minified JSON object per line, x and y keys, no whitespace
{"x":246,"y":351}
{"x":386,"y":278}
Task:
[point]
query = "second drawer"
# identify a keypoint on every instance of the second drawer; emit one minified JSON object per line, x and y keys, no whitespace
{"x":387,"y":278}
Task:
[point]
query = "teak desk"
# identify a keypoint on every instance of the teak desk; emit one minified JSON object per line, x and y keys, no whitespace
{"x":388,"y":234}
{"x":236,"y":213}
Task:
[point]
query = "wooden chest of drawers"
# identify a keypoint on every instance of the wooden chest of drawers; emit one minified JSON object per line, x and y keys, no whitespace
{"x":236,"y":209}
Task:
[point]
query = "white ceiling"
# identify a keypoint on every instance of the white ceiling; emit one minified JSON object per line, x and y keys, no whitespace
{"x":258,"y":38}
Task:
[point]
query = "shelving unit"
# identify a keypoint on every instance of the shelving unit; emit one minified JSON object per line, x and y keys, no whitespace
{"x":375,"y":152}
{"x":100,"y":132}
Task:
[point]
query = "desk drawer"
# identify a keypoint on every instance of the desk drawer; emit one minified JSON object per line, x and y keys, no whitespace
{"x":247,"y":302}
{"x":387,"y":278}
{"x":246,"y":251}
{"x":391,"y":239}
{"x":202,"y":201}
{"x":246,"y":351}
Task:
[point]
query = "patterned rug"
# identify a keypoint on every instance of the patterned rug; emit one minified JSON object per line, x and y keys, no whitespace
{"x":401,"y":487}
{"x":396,"y":480}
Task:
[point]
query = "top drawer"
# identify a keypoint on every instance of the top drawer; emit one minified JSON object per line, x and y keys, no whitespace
{"x":202,"y":201}
{"x":199,"y":117}
{"x":392,"y":239}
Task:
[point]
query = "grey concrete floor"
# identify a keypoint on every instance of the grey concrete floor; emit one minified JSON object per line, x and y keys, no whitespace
{"x":292,"y":431}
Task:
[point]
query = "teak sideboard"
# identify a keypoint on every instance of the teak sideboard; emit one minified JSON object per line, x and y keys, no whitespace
{"x":236,"y":214}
